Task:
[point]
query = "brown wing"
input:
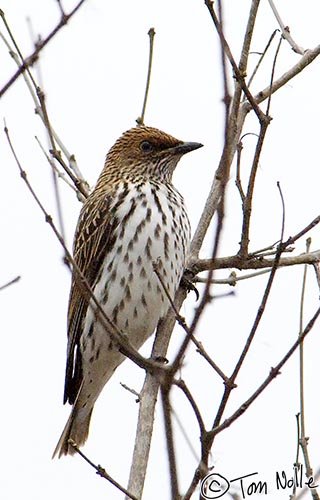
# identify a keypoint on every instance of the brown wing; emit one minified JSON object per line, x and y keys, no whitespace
{"x":92,"y":241}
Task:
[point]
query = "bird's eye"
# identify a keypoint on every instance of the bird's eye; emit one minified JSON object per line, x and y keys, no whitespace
{"x":146,"y":146}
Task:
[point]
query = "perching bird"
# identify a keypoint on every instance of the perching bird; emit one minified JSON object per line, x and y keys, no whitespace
{"x":133,"y":218}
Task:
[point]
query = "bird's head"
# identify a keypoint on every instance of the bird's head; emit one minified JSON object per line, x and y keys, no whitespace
{"x":146,"y":152}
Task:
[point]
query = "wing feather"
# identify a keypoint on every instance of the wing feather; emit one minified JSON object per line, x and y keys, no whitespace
{"x":93,"y":239}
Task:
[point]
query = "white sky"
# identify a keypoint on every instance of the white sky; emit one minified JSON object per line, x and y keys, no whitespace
{"x":93,"y":73}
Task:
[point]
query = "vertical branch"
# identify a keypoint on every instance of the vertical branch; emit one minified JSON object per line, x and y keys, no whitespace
{"x":301,"y":348}
{"x":248,"y":36}
{"x":261,"y":309}
{"x":247,"y":202}
{"x":148,"y":401}
{"x":147,"y":404}
{"x":227,"y":97}
{"x":303,"y":439}
{"x":40,"y":95}
{"x":165,"y":394}
{"x":234,"y":127}
{"x":140,"y":120}
{"x":47,"y":123}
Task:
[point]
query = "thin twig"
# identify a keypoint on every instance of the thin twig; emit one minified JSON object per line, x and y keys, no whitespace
{"x":133,"y":391}
{"x":11,"y":282}
{"x":182,"y":322}
{"x":27,"y":62}
{"x":35,"y":93}
{"x":308,"y":57}
{"x":239,"y":72}
{"x":246,"y":263}
{"x":238,"y":176}
{"x":227,"y":96}
{"x":101,"y":471}
{"x":261,"y":309}
{"x":180,"y":319}
{"x":81,"y":185}
{"x":256,"y":261}
{"x":52,"y":164}
{"x":182,"y":385}
{"x":151,"y":33}
{"x":241,"y":114}
{"x":2,"y":14}
{"x":272,"y":75}
{"x":274,"y":372}
{"x":205,"y":355}
{"x":261,"y":58}
{"x":184,"y":432}
{"x":206,"y":295}
{"x":42,"y":100}
{"x":303,"y":439}
{"x":247,"y":204}
{"x":234,"y":130}
{"x":301,"y":347}
{"x":285,"y":30}
{"x":165,"y":396}
{"x":233,"y":279}
{"x":283,"y":218}
{"x":296,"y":462}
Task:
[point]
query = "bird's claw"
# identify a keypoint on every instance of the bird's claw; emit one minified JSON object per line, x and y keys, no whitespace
{"x":186,"y":282}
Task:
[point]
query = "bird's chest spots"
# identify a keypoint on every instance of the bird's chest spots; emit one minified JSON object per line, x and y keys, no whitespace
{"x":153,"y":227}
{"x":152,"y":224}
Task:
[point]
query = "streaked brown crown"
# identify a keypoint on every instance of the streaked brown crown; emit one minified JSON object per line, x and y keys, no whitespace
{"x":144,"y":152}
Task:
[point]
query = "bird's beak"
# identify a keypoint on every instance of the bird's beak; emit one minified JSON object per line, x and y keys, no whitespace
{"x":186,"y":147}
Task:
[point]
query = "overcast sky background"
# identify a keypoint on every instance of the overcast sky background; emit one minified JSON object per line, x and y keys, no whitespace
{"x":93,"y":73}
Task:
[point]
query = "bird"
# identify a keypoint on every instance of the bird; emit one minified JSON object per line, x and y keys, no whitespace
{"x":133,"y":218}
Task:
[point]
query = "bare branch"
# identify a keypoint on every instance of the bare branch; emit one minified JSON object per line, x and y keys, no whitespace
{"x":165,"y":394}
{"x":247,"y":203}
{"x":222,"y":173}
{"x":257,"y":260}
{"x":261,"y":58}
{"x":232,"y":278}
{"x":285,"y":30}
{"x":273,"y":373}
{"x":38,"y":98}
{"x":239,"y":72}
{"x":102,"y":472}
{"x":52,"y":164}
{"x":303,"y":439}
{"x":151,"y":33}
{"x":308,"y":57}
{"x":182,"y":385}
{"x":11,"y":282}
{"x":27,"y":62}
{"x":140,"y":458}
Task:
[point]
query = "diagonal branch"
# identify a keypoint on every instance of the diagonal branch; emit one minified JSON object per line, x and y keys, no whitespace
{"x":285,"y":31}
{"x":27,"y":62}
{"x":102,"y":472}
{"x":273,"y":373}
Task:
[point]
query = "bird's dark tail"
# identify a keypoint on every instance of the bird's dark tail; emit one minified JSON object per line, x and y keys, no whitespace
{"x":76,"y":429}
